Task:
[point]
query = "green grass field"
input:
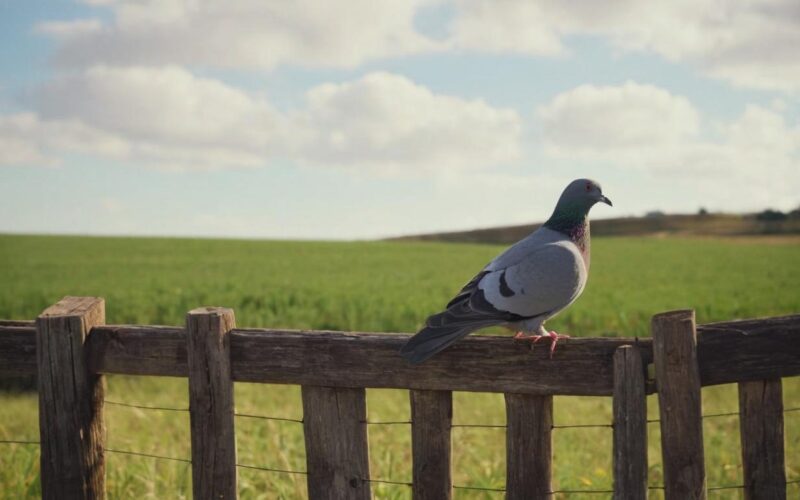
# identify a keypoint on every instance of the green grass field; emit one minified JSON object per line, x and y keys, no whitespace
{"x":375,"y":286}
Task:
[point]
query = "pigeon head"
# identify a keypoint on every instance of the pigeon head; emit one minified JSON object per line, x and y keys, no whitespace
{"x":582,"y":193}
{"x":574,"y":204}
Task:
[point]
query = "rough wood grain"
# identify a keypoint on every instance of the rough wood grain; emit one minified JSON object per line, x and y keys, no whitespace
{"x":630,"y":425}
{"x":755,"y":349}
{"x":432,"y":418}
{"x":18,"y":322}
{"x":680,"y":405}
{"x":529,"y":445}
{"x":139,"y":350}
{"x":761,"y":430}
{"x":337,"y":457}
{"x":579,"y":367}
{"x":728,"y":352}
{"x":17,"y":351}
{"x":70,"y":401}
{"x":211,"y":403}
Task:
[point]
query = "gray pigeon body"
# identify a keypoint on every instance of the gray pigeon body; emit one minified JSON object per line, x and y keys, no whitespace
{"x":532,"y":281}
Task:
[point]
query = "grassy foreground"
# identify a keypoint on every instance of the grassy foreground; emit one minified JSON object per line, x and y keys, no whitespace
{"x":374,"y":286}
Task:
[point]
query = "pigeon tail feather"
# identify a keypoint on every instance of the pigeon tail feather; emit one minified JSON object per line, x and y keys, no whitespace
{"x":433,"y":339}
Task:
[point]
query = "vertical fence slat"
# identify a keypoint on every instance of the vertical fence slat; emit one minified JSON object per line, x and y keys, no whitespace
{"x":70,"y":401}
{"x":630,"y":425}
{"x":337,"y":453}
{"x":432,"y":418}
{"x":761,"y":429}
{"x":680,"y":404}
{"x":529,"y":446}
{"x":211,"y":402}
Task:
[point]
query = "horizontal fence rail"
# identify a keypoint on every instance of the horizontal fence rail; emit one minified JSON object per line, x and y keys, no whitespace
{"x":69,"y":350}
{"x":727,"y":352}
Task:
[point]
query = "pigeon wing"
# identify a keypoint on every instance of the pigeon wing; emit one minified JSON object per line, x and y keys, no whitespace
{"x":544,"y":282}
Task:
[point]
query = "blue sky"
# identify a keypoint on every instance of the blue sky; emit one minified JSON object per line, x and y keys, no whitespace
{"x":357,"y":119}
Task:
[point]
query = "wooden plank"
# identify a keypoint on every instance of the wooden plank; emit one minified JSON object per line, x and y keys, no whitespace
{"x":680,"y":405}
{"x":337,"y":456}
{"x":630,"y":425}
{"x":139,"y":350}
{"x":211,"y":402}
{"x":728,"y":352}
{"x":17,"y":351}
{"x":432,"y":419}
{"x":71,"y":426}
{"x":497,"y":364}
{"x":529,"y":445}
{"x":18,"y":322}
{"x":761,"y":430}
{"x":736,"y":351}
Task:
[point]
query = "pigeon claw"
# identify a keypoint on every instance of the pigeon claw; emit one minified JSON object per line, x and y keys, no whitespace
{"x":553,"y":336}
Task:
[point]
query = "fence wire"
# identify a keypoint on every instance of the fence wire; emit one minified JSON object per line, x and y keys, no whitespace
{"x":395,"y":422}
{"x":382,"y":481}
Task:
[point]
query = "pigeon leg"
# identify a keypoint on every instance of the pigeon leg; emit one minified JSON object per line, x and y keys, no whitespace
{"x":522,"y":336}
{"x":554,"y":338}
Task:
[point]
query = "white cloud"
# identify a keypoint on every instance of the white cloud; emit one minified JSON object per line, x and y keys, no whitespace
{"x":749,"y":43}
{"x":246,"y":33}
{"x":68,"y":29}
{"x":165,"y":105}
{"x":389,"y":123}
{"x":752,"y":160}
{"x":526,"y":27}
{"x":25,"y":139}
{"x":591,"y":121}
{"x":167,"y":114}
{"x":171,"y":119}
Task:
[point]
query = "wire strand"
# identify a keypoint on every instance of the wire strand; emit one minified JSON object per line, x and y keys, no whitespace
{"x":730,"y":487}
{"x":480,"y":488}
{"x":144,"y":407}
{"x":397,"y":422}
{"x":147,"y":455}
{"x":388,"y":481}
{"x":265,"y":417}
{"x":270,"y":469}
{"x":17,"y":441}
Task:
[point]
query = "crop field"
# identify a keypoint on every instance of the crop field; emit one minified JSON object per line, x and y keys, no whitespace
{"x":385,"y":287}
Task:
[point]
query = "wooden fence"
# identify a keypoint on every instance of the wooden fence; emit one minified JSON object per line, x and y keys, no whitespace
{"x":69,"y":349}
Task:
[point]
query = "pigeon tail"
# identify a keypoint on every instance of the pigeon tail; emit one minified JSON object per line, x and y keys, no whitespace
{"x":433,"y":339}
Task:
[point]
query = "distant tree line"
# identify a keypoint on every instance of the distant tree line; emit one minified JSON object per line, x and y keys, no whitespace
{"x":765,"y":215}
{"x":772,"y":215}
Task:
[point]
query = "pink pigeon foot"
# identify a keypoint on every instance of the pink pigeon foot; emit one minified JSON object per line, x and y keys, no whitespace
{"x":553,"y":336}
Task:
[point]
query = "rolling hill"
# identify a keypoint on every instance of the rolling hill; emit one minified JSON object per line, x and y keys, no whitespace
{"x":655,"y":224}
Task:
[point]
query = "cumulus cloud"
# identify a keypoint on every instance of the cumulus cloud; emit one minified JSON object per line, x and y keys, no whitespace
{"x":257,"y":34}
{"x":387,"y":122}
{"x":25,"y":139}
{"x":751,"y":44}
{"x":171,"y":119}
{"x":592,"y":121}
{"x":643,"y":127}
{"x":165,"y":106}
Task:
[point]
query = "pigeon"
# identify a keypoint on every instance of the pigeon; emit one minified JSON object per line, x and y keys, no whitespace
{"x":529,"y":283}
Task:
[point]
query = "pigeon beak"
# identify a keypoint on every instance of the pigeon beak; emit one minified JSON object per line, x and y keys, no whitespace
{"x":606,"y":201}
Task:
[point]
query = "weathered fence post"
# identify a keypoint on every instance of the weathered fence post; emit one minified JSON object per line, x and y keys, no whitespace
{"x":70,"y":401}
{"x":630,"y":425}
{"x":211,"y":402}
{"x":337,"y":453}
{"x":529,"y":444}
{"x":680,"y":404}
{"x":761,"y":431}
{"x":431,"y":421}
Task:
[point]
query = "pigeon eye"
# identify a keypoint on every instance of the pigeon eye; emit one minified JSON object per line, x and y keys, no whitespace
{"x":588,"y":187}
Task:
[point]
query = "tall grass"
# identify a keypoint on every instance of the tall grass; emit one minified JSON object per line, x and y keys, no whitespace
{"x":372,"y":286}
